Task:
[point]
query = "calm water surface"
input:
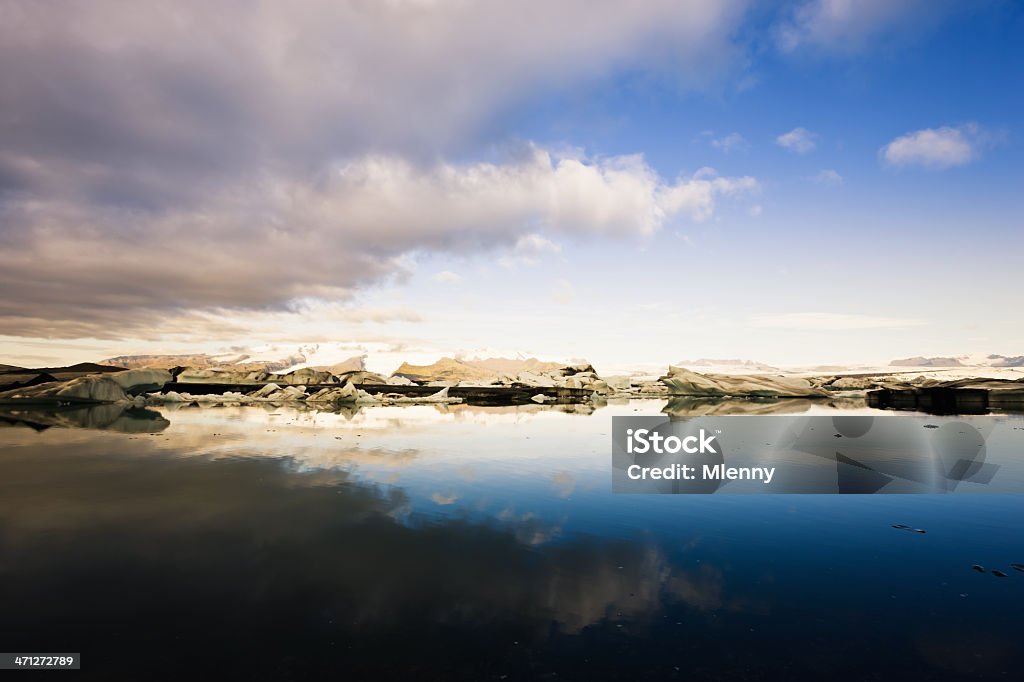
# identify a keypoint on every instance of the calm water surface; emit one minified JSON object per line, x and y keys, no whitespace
{"x":474,"y":543}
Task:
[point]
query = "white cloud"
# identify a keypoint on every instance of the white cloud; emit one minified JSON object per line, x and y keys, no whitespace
{"x":392,"y":203}
{"x":535,"y":245}
{"x":849,"y":25}
{"x":730,"y":143}
{"x":181,"y":154}
{"x":528,"y":250}
{"x":755,"y":210}
{"x":444,"y":499}
{"x":274,"y":239}
{"x":935,"y":148}
{"x":828,"y":176}
{"x":832,"y":321}
{"x":447,"y":277}
{"x":799,"y":140}
{"x":563,"y":292}
{"x":696,"y":196}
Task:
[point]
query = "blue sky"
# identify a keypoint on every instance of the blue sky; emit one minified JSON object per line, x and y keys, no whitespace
{"x":820,"y":181}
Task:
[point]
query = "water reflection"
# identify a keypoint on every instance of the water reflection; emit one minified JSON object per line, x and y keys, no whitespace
{"x":112,"y":417}
{"x":159,"y":547}
{"x":126,"y":418}
{"x":450,"y":542}
{"x":682,"y":406}
{"x":891,"y":454}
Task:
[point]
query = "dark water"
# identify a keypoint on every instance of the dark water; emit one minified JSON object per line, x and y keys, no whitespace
{"x":473,"y":543}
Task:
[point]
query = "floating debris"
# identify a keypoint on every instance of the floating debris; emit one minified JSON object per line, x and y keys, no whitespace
{"x":1017,"y":567}
{"x":931,"y":426}
{"x":979,"y":569}
{"x":997,"y":573}
{"x":903,"y":526}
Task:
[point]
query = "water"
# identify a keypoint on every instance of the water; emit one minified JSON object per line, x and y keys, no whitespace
{"x":472,"y":543}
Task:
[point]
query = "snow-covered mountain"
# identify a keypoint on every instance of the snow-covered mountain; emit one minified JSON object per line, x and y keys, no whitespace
{"x":273,"y":358}
{"x":340,"y":357}
{"x":971,"y":360}
{"x":720,"y":366}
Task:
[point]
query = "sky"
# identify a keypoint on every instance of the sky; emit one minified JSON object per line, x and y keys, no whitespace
{"x":634,"y":184}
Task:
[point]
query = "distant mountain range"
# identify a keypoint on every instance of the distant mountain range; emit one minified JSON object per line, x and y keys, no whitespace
{"x":961,"y":361}
{"x":729,"y":366}
{"x":919,"y":361}
{"x":80,"y":368}
{"x":12,"y":377}
{"x":512,"y":365}
{"x":168,"y":361}
{"x":269,"y":359}
{"x":335,"y":358}
{"x":338,"y":358}
{"x":454,"y":369}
